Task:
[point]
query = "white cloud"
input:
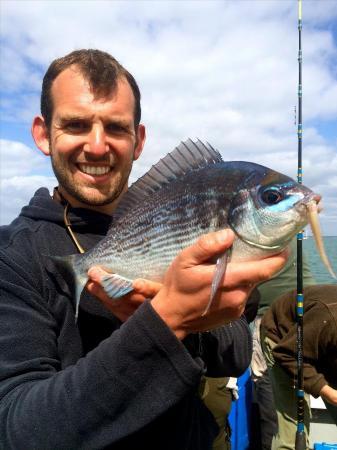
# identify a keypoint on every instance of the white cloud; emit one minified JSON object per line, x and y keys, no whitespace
{"x":20,"y":177}
{"x":17,"y":191}
{"x":17,"y":159}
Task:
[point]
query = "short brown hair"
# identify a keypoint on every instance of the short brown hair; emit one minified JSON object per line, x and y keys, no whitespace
{"x":99,"y":68}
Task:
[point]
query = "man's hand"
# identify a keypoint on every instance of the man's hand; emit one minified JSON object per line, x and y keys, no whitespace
{"x":125,"y":306}
{"x":186,"y":290}
{"x":187,"y":285}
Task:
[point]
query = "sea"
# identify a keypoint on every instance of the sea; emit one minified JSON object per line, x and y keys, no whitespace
{"x":321,"y":274}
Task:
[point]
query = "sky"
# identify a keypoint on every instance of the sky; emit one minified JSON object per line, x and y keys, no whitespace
{"x":225,"y":72}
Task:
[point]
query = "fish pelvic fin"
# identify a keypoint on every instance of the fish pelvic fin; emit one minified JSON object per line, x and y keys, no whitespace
{"x":74,"y":277}
{"x":115,"y":286}
{"x":219,"y":274}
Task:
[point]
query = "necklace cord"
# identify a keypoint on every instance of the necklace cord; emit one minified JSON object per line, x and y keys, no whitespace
{"x":70,"y":231}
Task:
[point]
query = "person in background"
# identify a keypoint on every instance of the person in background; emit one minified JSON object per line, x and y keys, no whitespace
{"x":218,"y":393}
{"x":279,"y":336}
{"x":126,"y":374}
{"x":265,"y":422}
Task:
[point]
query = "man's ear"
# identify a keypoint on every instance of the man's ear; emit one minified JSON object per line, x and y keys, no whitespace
{"x":141,"y":136}
{"x":40,"y":135}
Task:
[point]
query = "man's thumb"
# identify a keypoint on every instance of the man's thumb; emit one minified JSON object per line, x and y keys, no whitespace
{"x":208,"y":246}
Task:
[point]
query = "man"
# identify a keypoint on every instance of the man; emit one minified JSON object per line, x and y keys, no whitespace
{"x":127,"y":373}
{"x":278,"y":330}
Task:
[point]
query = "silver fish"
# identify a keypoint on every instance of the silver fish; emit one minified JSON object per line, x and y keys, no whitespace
{"x":190,"y":192}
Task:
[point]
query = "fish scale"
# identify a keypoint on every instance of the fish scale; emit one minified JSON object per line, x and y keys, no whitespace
{"x":175,"y":218}
{"x":190,"y":192}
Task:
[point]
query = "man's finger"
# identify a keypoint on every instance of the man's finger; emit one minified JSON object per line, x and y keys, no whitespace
{"x":252,"y":272}
{"x":96,"y":273}
{"x":146,"y":287}
{"x":207,"y":246}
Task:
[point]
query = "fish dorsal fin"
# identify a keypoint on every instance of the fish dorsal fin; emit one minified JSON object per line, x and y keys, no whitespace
{"x":186,"y":157}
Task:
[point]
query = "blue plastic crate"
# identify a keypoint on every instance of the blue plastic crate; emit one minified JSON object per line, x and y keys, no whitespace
{"x":324,"y":446}
{"x":239,"y":417}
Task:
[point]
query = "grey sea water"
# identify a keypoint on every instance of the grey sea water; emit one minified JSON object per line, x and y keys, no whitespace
{"x":318,"y":269}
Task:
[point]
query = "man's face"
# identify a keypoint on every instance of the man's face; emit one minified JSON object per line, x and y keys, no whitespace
{"x":92,"y":142}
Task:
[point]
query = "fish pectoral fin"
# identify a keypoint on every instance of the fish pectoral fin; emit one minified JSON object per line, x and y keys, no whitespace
{"x":220,"y":270}
{"x":115,"y":286}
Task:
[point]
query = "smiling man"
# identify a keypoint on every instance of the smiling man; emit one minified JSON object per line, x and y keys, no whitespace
{"x":128,"y":370}
{"x":93,"y":136}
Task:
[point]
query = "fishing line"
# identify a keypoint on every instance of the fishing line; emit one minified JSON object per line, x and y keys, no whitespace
{"x":300,"y":442}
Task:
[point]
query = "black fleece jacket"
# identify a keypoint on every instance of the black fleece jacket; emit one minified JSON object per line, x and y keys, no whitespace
{"x":97,"y":383}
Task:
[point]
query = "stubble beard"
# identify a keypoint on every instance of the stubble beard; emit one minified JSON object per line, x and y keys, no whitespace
{"x":82,"y":193}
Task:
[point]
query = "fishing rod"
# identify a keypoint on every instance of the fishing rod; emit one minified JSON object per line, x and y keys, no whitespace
{"x":300,"y":441}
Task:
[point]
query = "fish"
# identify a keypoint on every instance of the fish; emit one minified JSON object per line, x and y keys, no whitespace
{"x":190,"y":192}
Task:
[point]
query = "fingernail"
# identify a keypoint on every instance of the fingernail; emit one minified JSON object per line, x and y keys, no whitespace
{"x":224,"y":235}
{"x":94,"y":271}
{"x":138,"y":284}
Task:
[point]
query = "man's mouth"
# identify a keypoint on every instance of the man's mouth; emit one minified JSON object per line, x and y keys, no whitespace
{"x":94,"y":170}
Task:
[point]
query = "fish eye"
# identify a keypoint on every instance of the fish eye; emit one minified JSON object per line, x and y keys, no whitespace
{"x":272,"y":196}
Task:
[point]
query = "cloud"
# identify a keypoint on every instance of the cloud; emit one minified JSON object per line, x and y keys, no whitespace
{"x":21,"y":171}
{"x":17,"y":159}
{"x":17,"y":191}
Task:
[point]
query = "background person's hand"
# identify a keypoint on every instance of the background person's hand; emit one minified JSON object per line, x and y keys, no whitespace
{"x":125,"y":306}
{"x":329,"y":394}
{"x":186,"y":289}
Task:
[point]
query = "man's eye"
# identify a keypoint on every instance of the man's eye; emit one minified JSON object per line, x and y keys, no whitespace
{"x":115,"y":128}
{"x":76,"y":126}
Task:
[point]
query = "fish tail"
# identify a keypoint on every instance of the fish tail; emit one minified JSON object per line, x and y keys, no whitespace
{"x":75,"y":278}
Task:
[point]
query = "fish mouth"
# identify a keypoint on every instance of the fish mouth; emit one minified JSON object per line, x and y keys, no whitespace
{"x":308,"y":199}
{"x":313,"y":208}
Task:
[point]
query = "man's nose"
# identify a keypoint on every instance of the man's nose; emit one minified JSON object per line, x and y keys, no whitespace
{"x":96,"y":144}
